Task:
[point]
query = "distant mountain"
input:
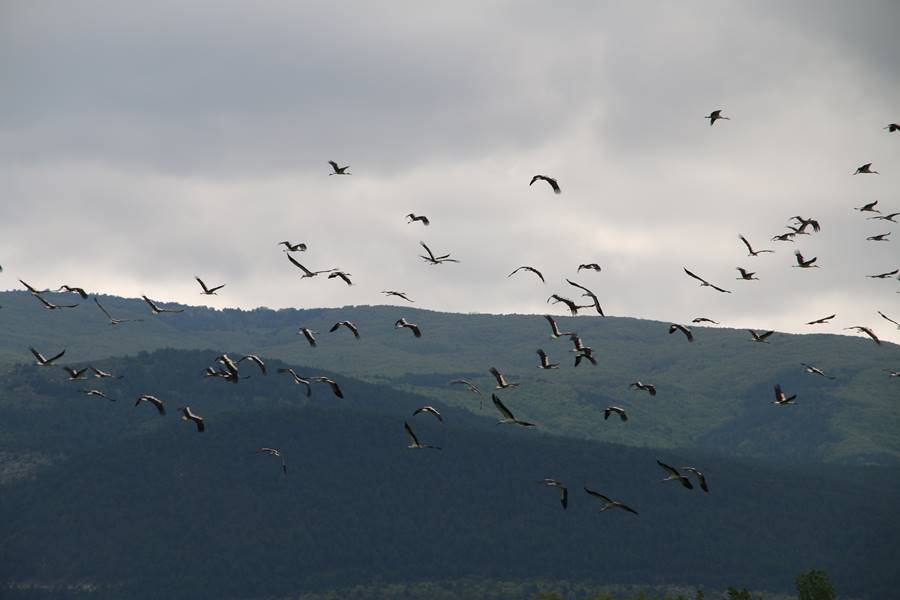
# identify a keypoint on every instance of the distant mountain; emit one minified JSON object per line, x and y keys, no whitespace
{"x":715,"y":393}
{"x":103,"y":499}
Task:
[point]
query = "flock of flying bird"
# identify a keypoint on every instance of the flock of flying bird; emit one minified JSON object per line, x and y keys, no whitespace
{"x":228,"y":369}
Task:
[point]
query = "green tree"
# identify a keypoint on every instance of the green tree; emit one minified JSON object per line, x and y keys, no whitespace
{"x":814,"y":585}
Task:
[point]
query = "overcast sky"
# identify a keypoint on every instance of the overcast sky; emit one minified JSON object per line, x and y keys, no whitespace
{"x":143,"y":143}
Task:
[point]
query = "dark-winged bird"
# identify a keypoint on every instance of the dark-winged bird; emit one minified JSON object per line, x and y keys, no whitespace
{"x":508,"y":417}
{"x":414,"y":441}
{"x":338,"y":170}
{"x":549,"y":180}
{"x":208,"y":291}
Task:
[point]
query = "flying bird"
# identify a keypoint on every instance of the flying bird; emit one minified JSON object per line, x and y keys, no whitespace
{"x":545,"y":361}
{"x":97,"y":393}
{"x":615,"y":410}
{"x":884,"y":275}
{"x":821,"y":321}
{"x":803,"y":263}
{"x":610,"y":503}
{"x":870,"y":207}
{"x":435,"y":260}
{"x":588,"y":293}
{"x":73,"y":290}
{"x":889,"y":217}
{"x":780,"y":399}
{"x":348,"y":324}
{"x":715,"y":116}
{"x":256,"y":360}
{"x":402,"y":322}
{"x":585,"y":353}
{"x":338,"y":170}
{"x":45,"y":362}
{"x":156,"y":310}
{"x":308,"y":334}
{"x":431,"y":410}
{"x":50,"y":305}
{"x":549,"y":180}
{"x":502,"y":384}
{"x":276,"y":453}
{"x":703,"y":320}
{"x":342,"y":274}
{"x":685,"y":330}
{"x":746,"y":275}
{"x":508,"y":417}
{"x":814,"y":371}
{"x":187,"y":415}
{"x":208,"y":291}
{"x":100,"y":374}
{"x":32,"y":289}
{"x":335,"y":388}
{"x":701,"y":478}
{"x":563,"y":490}
{"x":109,"y":316}
{"x":554,"y":329}
{"x":866,"y":331}
{"x":892,"y":127}
{"x":397,"y":294}
{"x":75,"y":374}
{"x":643,"y":387}
{"x":414,"y":441}
{"x":881,"y":237}
{"x":298,"y":380}
{"x":589,"y":267}
{"x":705,"y":283}
{"x":573,"y":308}
{"x":750,"y":248}
{"x":804,"y":223}
{"x":760,"y":336}
{"x":289,"y":247}
{"x":865,"y":169}
{"x":784,"y":237}
{"x":527,"y":268}
{"x":887,"y":318}
{"x":412,"y":218}
{"x":675,"y":475}
{"x":470,"y":387}
{"x":154,"y":401}
{"x":306,"y":272}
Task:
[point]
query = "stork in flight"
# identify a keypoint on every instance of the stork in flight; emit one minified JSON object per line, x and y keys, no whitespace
{"x":643,"y":387}
{"x":402,"y":322}
{"x":342,"y":274}
{"x":502,"y":383}
{"x":615,"y":410}
{"x":554,"y":329}
{"x":610,"y":503}
{"x":276,"y":453}
{"x":414,"y":441}
{"x":298,"y":380}
{"x":550,"y":180}
{"x":430,"y":410}
{"x":75,"y":374}
{"x":289,"y":247}
{"x":701,"y":478}
{"x":750,"y":248}
{"x":109,"y":316}
{"x":892,"y":127}
{"x":804,"y":223}
{"x":746,"y":275}
{"x":760,"y":336}
{"x":573,"y":308}
{"x":705,"y":283}
{"x":715,"y":116}
{"x":309,"y":335}
{"x":397,"y":294}
{"x":32,"y":289}
{"x":73,"y":290}
{"x":675,"y":475}
{"x":887,"y":318}
{"x":97,"y":393}
{"x":822,"y":321}
{"x":784,"y":237}
{"x":780,"y":398}
{"x":545,"y":361}
{"x":43,"y":361}
{"x":703,"y":320}
{"x":508,"y":417}
{"x":338,"y":170}
{"x":255,"y":360}
{"x":685,"y":330}
{"x":154,"y":401}
{"x":335,"y":388}
{"x":589,"y":267}
{"x":865,"y":170}
{"x":563,"y":490}
{"x":50,"y":305}
{"x":435,"y":260}
{"x":588,"y":293}
{"x":527,"y":268}
{"x":156,"y":310}
{"x":208,"y":291}
{"x":803,"y":263}
{"x":187,"y":415}
{"x":889,"y":217}
{"x":881,"y":237}
{"x":815,"y":371}
{"x":884,"y":275}
{"x":870,"y":207}
{"x":470,"y":387}
{"x":306,"y":272}
{"x":348,"y":324}
{"x":866,"y":331}
{"x":412,"y":218}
